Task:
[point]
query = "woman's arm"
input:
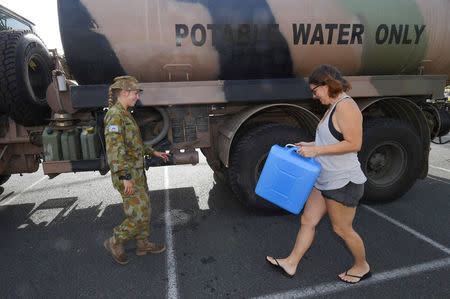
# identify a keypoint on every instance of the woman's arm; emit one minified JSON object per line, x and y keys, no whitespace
{"x":300,"y":144}
{"x":349,"y":122}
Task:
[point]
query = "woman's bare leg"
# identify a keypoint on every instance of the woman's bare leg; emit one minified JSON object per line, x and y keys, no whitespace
{"x":314,"y":210}
{"x":342,"y":220}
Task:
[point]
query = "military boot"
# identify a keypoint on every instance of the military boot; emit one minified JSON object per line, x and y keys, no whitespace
{"x":116,"y":250}
{"x":144,"y":246}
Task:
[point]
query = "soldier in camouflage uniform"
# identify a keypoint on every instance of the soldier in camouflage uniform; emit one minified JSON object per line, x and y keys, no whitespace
{"x":125,"y":151}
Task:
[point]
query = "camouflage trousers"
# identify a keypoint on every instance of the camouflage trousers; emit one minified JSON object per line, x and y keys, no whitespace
{"x":136,"y":207}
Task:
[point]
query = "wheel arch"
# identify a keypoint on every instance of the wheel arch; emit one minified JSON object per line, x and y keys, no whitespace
{"x":278,"y":113}
{"x":402,"y":109}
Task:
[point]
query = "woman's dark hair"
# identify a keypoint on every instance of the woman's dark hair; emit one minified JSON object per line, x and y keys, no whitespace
{"x":331,"y":76}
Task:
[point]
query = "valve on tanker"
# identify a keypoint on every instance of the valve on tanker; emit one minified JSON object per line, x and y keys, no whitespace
{"x":61,"y":80}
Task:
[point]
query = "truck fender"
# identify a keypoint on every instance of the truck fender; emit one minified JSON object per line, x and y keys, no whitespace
{"x":228,"y":131}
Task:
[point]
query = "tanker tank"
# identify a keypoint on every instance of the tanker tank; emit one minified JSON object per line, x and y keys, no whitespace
{"x":234,"y":39}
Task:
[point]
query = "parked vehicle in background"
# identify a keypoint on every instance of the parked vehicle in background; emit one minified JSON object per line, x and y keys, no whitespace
{"x":231,"y":81}
{"x":25,"y":74}
{"x":9,"y":20}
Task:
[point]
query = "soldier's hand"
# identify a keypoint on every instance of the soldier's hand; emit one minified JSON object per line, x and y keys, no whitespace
{"x":162,"y":155}
{"x":128,"y":187}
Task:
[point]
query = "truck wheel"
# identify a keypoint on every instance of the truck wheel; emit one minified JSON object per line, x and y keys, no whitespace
{"x":4,"y":178}
{"x":249,"y":154}
{"x":25,"y":73}
{"x":391,"y":157}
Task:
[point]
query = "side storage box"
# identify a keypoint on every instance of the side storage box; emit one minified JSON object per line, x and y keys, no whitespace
{"x":71,"y":146}
{"x":89,"y":143}
{"x":51,"y":141}
{"x":287,"y":178}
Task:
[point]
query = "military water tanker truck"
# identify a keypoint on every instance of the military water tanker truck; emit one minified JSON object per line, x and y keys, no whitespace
{"x":229,"y":78}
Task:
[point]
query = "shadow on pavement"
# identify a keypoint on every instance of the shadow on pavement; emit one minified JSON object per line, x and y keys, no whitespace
{"x":66,"y":257}
{"x":220,"y":252}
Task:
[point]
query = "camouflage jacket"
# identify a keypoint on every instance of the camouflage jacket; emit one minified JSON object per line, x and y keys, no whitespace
{"x":124,"y":147}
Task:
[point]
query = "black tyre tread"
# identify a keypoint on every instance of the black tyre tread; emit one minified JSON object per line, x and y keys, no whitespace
{"x":242,"y":145}
{"x":238,"y":147}
{"x":4,"y":178}
{"x":243,"y":131}
{"x":21,"y":110}
{"x":386,"y":126}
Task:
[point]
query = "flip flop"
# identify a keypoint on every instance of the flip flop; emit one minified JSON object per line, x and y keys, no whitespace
{"x":365,"y":276}
{"x":279,"y":267}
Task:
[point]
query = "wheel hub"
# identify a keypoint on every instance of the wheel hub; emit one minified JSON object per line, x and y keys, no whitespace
{"x":386,"y":163}
{"x":377,"y":162}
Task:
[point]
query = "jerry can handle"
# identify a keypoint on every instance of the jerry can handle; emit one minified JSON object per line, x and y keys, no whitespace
{"x":294,"y":148}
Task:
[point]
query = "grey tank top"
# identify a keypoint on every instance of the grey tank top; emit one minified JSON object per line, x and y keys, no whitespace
{"x":337,"y":170}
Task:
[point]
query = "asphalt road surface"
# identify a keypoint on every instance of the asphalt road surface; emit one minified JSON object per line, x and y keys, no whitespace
{"x":52,"y":233}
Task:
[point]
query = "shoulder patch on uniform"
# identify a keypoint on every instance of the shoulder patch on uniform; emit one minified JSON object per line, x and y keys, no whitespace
{"x":113,"y":128}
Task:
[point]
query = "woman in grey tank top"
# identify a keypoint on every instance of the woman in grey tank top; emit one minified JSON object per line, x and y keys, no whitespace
{"x":340,"y":184}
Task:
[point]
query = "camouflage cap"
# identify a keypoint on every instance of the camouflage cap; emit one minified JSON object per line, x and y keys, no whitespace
{"x":126,"y":83}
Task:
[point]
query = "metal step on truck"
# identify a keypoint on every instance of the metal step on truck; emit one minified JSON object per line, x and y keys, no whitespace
{"x":230,"y":82}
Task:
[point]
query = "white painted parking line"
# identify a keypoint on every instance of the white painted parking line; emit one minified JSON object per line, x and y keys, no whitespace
{"x":74,"y":205}
{"x":172,"y":288}
{"x":408,"y":229}
{"x":440,"y":168}
{"x":45,"y":216}
{"x":26,"y":189}
{"x":334,"y":287}
{"x":438,"y":180}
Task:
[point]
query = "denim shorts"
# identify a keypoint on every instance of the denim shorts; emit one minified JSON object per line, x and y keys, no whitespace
{"x":349,"y":195}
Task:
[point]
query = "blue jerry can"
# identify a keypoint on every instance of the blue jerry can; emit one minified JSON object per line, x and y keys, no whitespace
{"x":287,"y":178}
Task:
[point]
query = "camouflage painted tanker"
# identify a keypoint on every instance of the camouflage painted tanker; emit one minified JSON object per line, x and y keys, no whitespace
{"x":228,"y":77}
{"x":234,"y":40}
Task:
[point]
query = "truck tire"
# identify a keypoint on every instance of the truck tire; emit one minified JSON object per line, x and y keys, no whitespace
{"x":249,"y":154}
{"x":391,"y":157}
{"x":4,"y":178}
{"x":25,"y":73}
